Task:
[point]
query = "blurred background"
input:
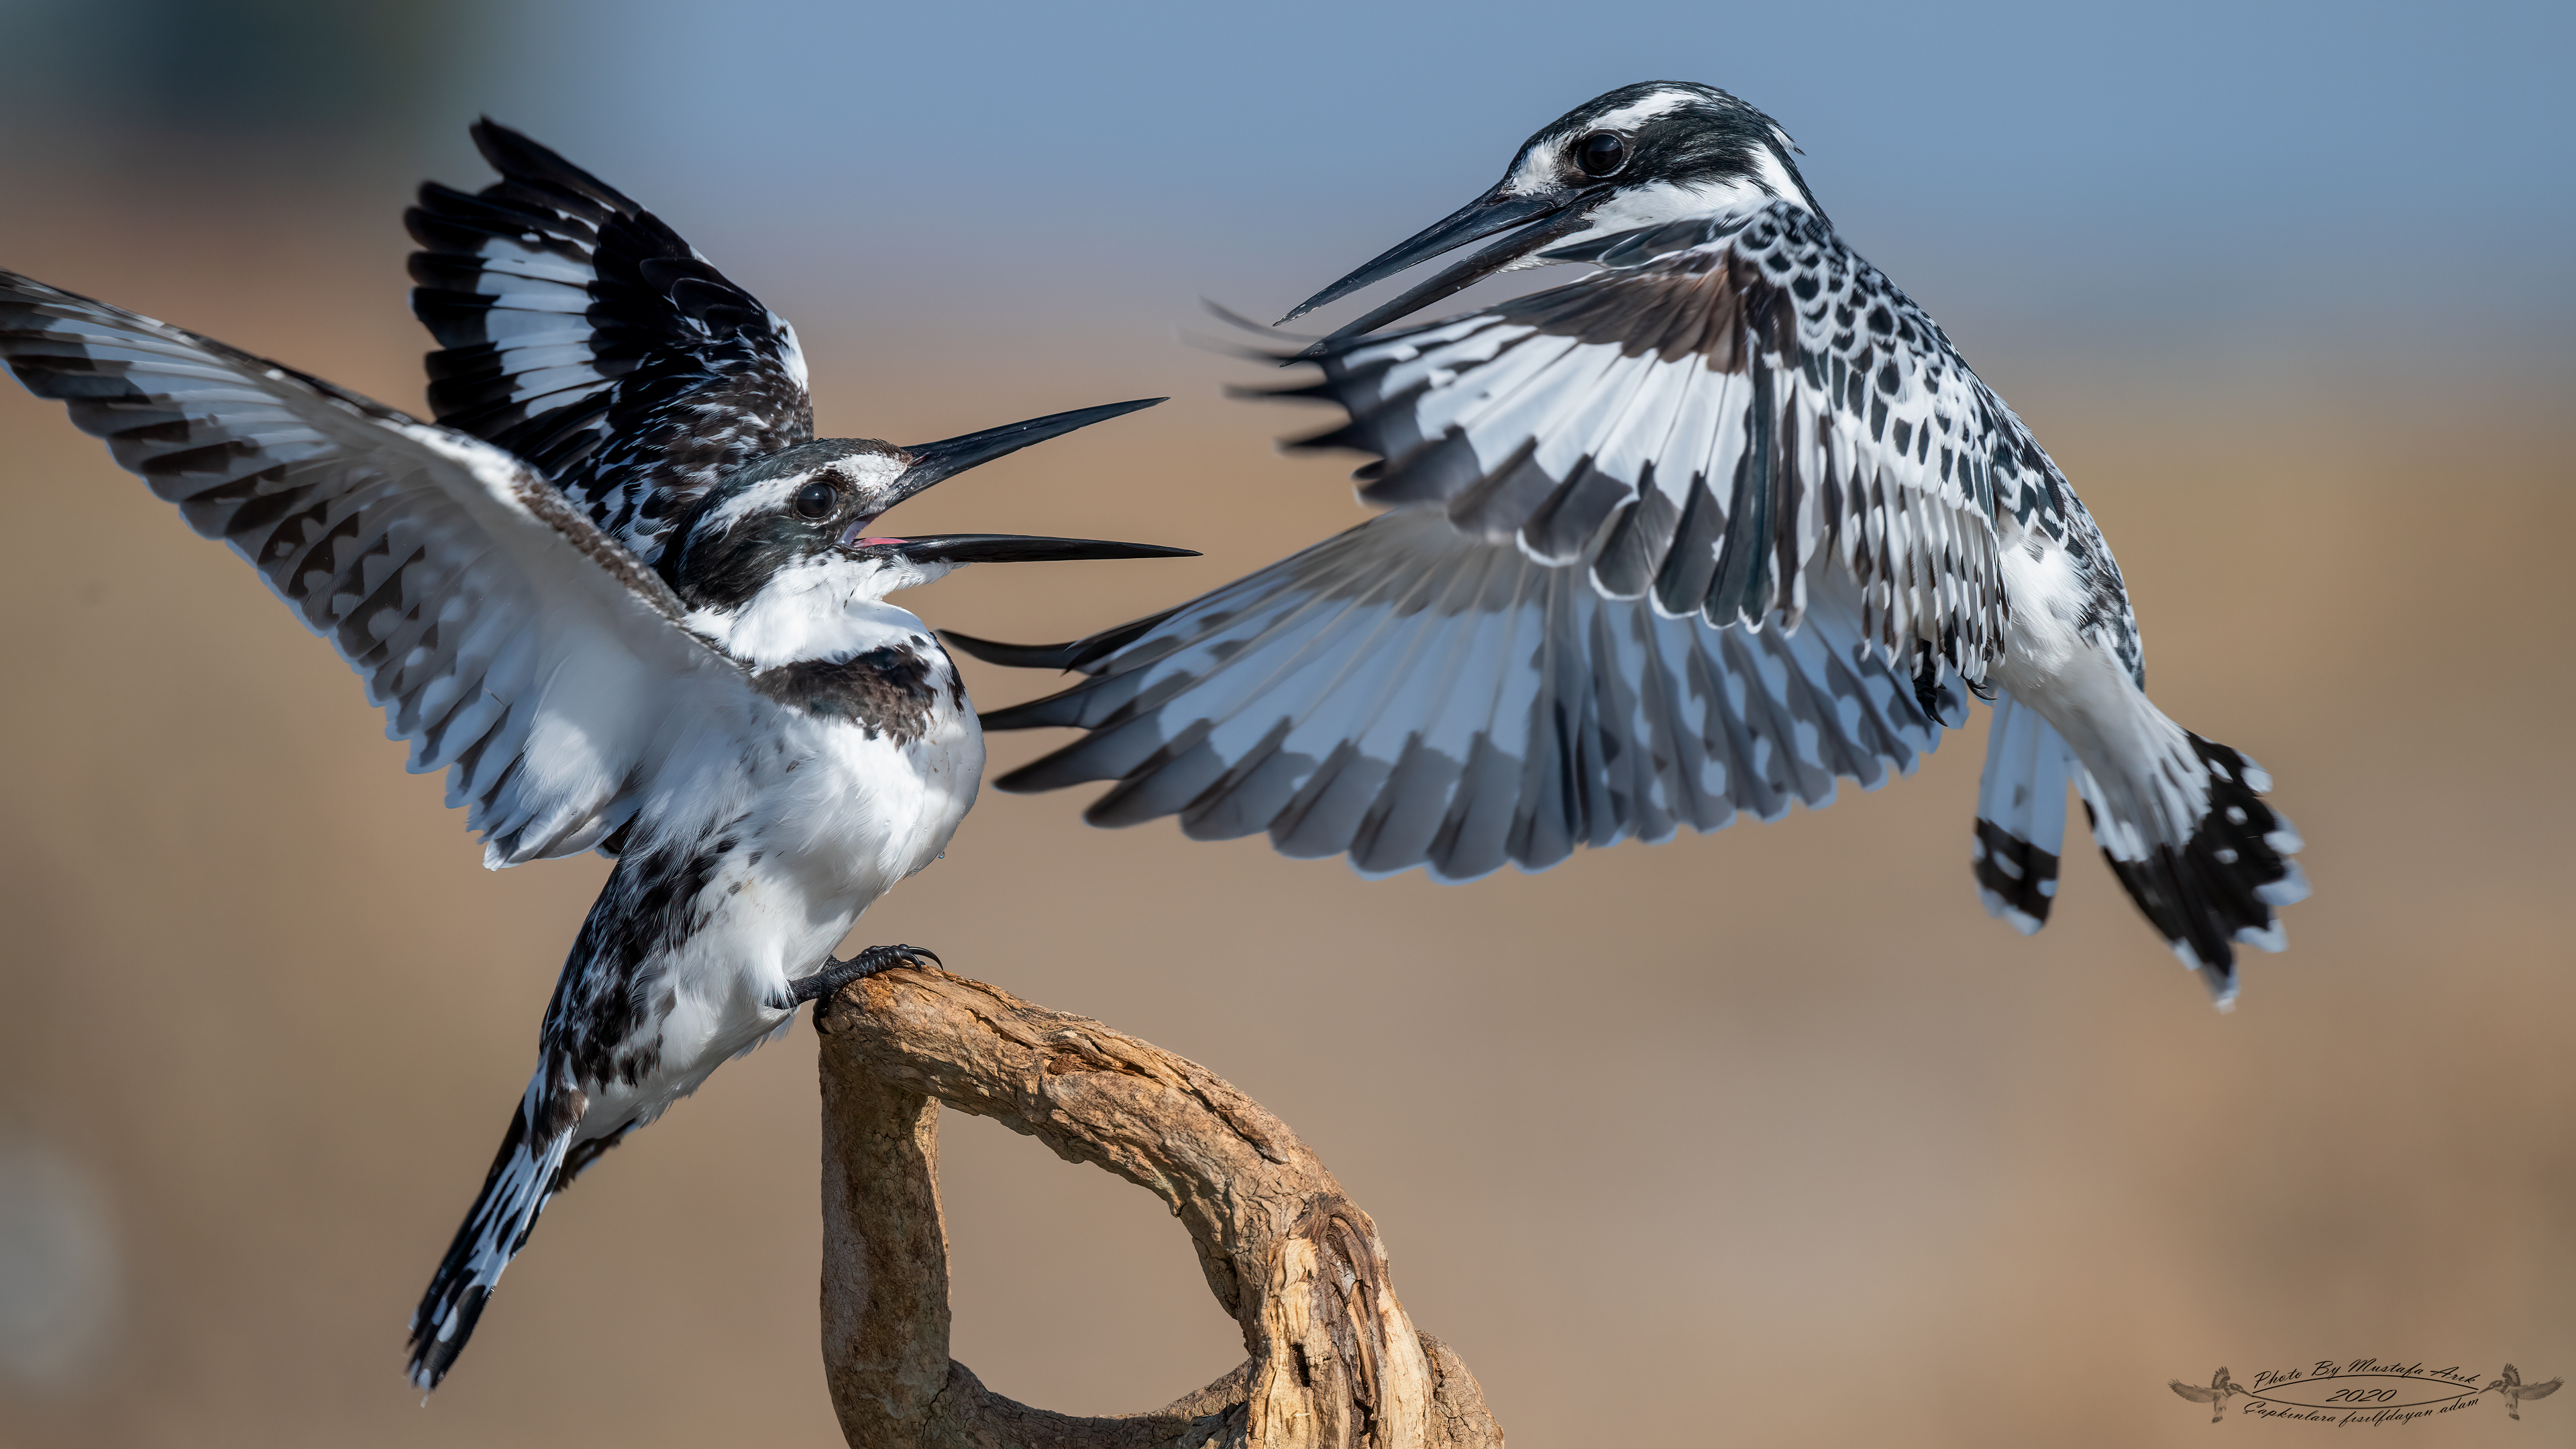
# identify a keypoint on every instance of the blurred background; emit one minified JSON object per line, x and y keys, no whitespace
{"x":1766,"y":1136}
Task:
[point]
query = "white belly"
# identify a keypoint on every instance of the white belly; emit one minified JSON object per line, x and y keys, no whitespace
{"x":2137,"y":758}
{"x":800,"y":842}
{"x":862,"y":813}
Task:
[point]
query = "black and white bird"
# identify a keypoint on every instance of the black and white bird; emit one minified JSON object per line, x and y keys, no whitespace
{"x":763,"y":743}
{"x":1720,"y":523}
{"x":2510,"y":1385}
{"x":2215,"y":1393}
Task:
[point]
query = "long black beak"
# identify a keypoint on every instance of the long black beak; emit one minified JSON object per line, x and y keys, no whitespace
{"x":963,"y":548}
{"x":934,"y":462}
{"x":1556,"y":213}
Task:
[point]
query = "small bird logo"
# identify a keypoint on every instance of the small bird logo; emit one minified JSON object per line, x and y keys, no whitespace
{"x":2215,"y":1392}
{"x":2515,"y":1390}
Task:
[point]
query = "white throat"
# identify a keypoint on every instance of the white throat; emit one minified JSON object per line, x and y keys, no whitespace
{"x":828,"y":607}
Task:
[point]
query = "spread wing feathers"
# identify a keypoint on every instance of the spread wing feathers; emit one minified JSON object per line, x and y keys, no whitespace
{"x":2197,"y":1393}
{"x":1724,"y":403}
{"x":505,"y":638}
{"x":584,"y":335}
{"x":2541,"y":1390}
{"x":1410,"y":695}
{"x":2021,"y":815}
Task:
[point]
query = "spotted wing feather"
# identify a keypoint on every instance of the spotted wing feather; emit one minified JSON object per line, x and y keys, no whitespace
{"x":506,"y":639}
{"x":1410,"y":695}
{"x":581,"y":333}
{"x":1666,"y":545}
{"x":1723,"y":404}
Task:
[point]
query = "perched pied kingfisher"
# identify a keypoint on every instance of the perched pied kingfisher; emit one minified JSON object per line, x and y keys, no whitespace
{"x":763,"y":743}
{"x":1721,"y":522}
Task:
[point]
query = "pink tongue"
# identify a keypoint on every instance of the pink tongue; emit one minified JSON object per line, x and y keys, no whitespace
{"x":866,"y":541}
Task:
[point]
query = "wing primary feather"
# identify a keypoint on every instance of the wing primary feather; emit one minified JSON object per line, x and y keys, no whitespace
{"x":450,"y":578}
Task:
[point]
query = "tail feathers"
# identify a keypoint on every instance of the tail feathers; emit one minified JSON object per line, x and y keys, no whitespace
{"x":2221,"y":887}
{"x":530,"y":1168}
{"x":2021,"y":815}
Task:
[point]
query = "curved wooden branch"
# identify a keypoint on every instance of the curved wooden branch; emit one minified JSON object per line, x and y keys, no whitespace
{"x":1333,"y":1361}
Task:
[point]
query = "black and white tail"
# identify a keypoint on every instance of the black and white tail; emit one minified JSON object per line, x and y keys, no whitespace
{"x":2021,"y":815}
{"x":2183,"y":826}
{"x":529,"y":1169}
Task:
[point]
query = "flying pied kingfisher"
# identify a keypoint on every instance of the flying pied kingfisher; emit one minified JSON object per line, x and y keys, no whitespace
{"x":1721,"y":522}
{"x":651,"y":621}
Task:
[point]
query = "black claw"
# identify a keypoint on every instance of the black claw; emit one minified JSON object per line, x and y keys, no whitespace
{"x":837,"y":973}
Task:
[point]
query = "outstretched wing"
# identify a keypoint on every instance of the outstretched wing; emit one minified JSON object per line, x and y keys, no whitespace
{"x":2197,"y":1393}
{"x":513,"y":644}
{"x":2542,"y":1389}
{"x":1412,"y":695}
{"x":1724,"y":403}
{"x":1734,"y":488}
{"x":582,"y":334}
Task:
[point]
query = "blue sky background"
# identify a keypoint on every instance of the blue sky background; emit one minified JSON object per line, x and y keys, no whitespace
{"x":2270,"y":175}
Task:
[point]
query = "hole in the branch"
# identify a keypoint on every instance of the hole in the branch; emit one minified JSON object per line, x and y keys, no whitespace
{"x":1071,"y":1289}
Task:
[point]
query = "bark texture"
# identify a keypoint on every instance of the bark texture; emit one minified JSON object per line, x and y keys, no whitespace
{"x":1333,"y":1362}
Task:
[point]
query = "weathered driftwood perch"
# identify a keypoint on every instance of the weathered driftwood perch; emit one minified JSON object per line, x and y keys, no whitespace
{"x":1335,"y":1363}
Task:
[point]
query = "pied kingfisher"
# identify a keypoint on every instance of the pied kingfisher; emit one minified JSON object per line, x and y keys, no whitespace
{"x":761,"y":741}
{"x":1721,"y":522}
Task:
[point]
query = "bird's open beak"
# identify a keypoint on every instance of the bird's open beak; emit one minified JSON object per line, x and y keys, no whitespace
{"x":935,"y":462}
{"x":964,"y":548}
{"x":1546,"y":216}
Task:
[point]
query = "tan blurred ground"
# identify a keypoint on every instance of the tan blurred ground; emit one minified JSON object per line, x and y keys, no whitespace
{"x":1765,"y":1137}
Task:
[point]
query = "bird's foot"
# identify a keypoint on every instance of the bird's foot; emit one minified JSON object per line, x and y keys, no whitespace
{"x":837,"y":973}
{"x":1941,"y":704}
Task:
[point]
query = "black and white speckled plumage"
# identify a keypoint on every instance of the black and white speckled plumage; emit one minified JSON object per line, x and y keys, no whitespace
{"x":764,"y":744}
{"x":1410,"y":695}
{"x":1763,"y":374}
{"x":1620,"y":512}
{"x":582,"y":334}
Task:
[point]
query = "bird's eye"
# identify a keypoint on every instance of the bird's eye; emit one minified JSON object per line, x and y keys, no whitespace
{"x":815,"y":499}
{"x":1600,"y":153}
